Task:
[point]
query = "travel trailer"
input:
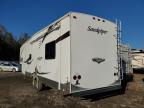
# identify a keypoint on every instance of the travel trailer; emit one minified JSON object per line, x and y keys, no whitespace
{"x":77,"y":54}
{"x":126,"y":60}
{"x":138,"y":60}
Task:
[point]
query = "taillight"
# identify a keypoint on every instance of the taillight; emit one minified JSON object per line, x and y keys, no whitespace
{"x":74,"y":77}
{"x":79,"y":76}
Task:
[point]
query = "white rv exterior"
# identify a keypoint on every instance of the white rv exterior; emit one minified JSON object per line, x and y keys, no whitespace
{"x":77,"y":53}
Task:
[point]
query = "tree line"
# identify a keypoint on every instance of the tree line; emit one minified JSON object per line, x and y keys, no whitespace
{"x":10,"y":46}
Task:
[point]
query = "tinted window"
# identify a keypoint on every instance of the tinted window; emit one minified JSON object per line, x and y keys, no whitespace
{"x":14,"y":64}
{"x":7,"y":64}
{"x":1,"y":64}
{"x":50,"y":50}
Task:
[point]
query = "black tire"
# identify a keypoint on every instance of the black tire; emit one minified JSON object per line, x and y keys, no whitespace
{"x":33,"y":81}
{"x":1,"y":70}
{"x":13,"y":70}
{"x":37,"y":83}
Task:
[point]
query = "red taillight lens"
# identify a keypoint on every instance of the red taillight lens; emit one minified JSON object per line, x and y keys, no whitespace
{"x":74,"y":77}
{"x":79,"y":76}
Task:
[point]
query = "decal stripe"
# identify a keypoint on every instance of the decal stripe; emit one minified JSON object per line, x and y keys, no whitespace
{"x":67,"y":34}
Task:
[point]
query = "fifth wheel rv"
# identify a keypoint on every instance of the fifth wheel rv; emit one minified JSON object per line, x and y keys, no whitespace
{"x":77,"y":54}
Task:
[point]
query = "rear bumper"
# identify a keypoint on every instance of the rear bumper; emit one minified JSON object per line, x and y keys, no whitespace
{"x":97,"y":91}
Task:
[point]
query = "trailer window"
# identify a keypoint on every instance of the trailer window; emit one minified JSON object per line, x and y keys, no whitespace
{"x":50,"y":50}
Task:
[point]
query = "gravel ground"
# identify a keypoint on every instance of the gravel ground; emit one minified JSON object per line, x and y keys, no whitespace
{"x":15,"y":92}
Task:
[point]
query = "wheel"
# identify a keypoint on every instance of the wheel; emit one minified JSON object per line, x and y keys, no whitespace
{"x":34,"y":79}
{"x":13,"y":70}
{"x":37,"y":83}
{"x":1,"y":70}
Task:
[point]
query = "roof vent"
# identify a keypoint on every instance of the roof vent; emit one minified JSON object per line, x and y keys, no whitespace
{"x":94,"y":18}
{"x":74,"y":17}
{"x":98,"y":19}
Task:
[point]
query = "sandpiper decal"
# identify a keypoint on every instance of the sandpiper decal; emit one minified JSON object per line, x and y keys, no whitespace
{"x":98,"y":30}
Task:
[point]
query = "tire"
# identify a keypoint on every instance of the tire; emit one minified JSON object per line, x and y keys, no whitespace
{"x":1,"y":70}
{"x":34,"y":79}
{"x":13,"y":70}
{"x":37,"y":83}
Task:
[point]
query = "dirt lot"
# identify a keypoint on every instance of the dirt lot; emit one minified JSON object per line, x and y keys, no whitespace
{"x":15,"y":92}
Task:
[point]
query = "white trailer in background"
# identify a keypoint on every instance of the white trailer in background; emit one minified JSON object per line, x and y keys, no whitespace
{"x":78,"y":53}
{"x":126,"y":59}
{"x":138,"y":60}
